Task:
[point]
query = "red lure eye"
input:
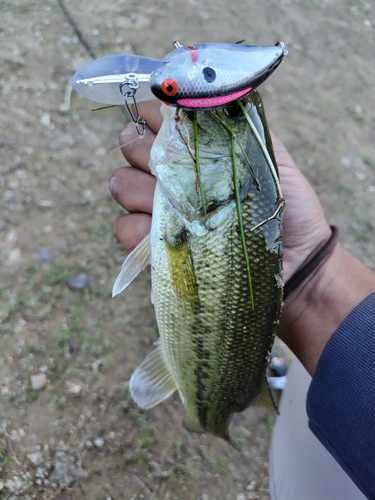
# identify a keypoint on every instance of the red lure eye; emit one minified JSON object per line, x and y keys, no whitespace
{"x":169,"y":87}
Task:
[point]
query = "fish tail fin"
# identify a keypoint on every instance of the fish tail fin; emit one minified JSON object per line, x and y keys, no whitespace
{"x":152,"y":382}
{"x":265,"y":398}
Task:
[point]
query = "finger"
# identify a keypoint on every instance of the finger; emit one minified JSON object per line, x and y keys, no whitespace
{"x":283,"y":158}
{"x":133,"y":189}
{"x":130,"y":229}
{"x":150,"y":111}
{"x":136,"y":150}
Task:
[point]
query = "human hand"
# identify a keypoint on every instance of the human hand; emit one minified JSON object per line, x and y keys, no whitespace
{"x":305,"y":227}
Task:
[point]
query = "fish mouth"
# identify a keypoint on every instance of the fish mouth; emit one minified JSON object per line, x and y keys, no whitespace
{"x":212,"y":102}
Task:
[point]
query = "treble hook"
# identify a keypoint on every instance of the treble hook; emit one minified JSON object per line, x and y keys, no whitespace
{"x":133,"y":85}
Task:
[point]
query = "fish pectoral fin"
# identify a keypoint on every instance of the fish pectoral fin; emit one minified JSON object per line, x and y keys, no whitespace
{"x":152,"y":381}
{"x":265,"y":398}
{"x":182,"y":271}
{"x":135,"y":262}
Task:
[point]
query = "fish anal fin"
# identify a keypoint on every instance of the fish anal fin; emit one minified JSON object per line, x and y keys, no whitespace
{"x":152,"y":382}
{"x":265,"y":398}
{"x":135,"y":262}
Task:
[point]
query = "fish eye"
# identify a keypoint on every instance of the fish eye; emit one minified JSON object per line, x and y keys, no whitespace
{"x":169,"y":87}
{"x":209,"y":74}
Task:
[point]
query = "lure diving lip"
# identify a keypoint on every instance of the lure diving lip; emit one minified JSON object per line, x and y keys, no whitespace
{"x":202,"y":76}
{"x":100,"y":80}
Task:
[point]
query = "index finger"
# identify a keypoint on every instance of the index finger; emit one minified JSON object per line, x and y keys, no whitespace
{"x":136,"y":149}
{"x":150,"y":111}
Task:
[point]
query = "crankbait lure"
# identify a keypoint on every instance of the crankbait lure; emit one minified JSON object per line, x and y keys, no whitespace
{"x":213,"y":74}
{"x":196,"y":77}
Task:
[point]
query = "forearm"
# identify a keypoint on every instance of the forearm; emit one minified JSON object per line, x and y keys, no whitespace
{"x":313,"y":312}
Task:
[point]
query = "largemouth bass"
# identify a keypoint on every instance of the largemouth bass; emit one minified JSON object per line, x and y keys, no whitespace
{"x":215,"y":250}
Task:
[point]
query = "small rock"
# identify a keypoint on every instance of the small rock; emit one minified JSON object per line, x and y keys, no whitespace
{"x":11,"y":238}
{"x":44,"y":255}
{"x":16,"y":436}
{"x":99,"y":442}
{"x":346,"y":161}
{"x":67,"y":472}
{"x":14,"y":485}
{"x":111,"y":435}
{"x":38,"y":381}
{"x":45,"y":119}
{"x":89,"y":444}
{"x":45,"y":203}
{"x":17,"y":483}
{"x":1,"y":485}
{"x":9,"y":485}
{"x":14,"y":255}
{"x":361,"y":176}
{"x":79,"y":282}
{"x":96,"y":365}
{"x":251,"y":486}
{"x":35,"y":458}
{"x":72,"y":388}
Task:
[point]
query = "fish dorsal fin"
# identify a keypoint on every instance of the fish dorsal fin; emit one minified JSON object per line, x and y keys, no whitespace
{"x":265,"y":398}
{"x":152,"y":381}
{"x":135,"y":262}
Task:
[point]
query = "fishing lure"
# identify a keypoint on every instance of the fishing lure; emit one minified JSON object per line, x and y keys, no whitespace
{"x":196,"y":77}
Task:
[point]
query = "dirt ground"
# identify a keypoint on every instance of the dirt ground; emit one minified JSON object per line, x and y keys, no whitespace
{"x":80,"y":436}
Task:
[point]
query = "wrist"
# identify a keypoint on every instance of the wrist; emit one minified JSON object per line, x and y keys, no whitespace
{"x":314,"y":310}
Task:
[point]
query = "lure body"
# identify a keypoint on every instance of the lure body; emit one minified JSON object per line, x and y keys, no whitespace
{"x":213,"y":74}
{"x":196,"y":77}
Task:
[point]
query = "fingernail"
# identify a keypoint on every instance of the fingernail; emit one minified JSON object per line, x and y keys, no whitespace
{"x":115,"y":186}
{"x":126,"y":134}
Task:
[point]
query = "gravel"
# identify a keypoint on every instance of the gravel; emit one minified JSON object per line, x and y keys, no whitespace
{"x":79,"y":282}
